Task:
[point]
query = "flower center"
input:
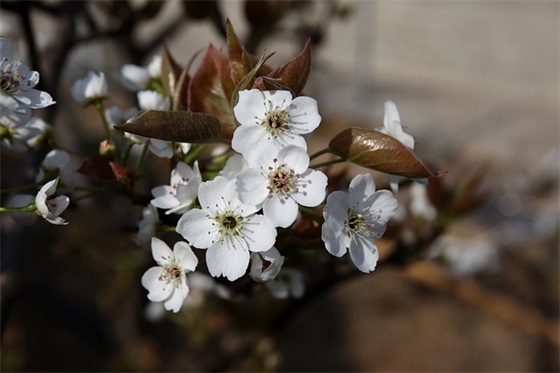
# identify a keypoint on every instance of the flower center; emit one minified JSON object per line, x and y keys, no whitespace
{"x":172,"y":273}
{"x":275,"y":121}
{"x":229,"y":223}
{"x":11,"y":78}
{"x":282,"y":180}
{"x":356,"y":224}
{"x":175,"y":186}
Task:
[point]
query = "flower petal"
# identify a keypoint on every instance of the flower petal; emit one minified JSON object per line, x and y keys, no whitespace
{"x":158,"y":290}
{"x":250,"y":108}
{"x":223,"y":260}
{"x":197,"y":228}
{"x":281,"y":212}
{"x":259,"y":233}
{"x":364,"y":254}
{"x":161,"y":253}
{"x":251,"y":186}
{"x":304,"y":115}
{"x":336,"y":243}
{"x":185,"y":256}
{"x":312,"y":188}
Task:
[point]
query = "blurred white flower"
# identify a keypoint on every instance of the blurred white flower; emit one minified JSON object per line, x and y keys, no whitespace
{"x":39,"y":132}
{"x":90,"y":89}
{"x":420,"y":204}
{"x":152,"y":100}
{"x":50,"y":209}
{"x":167,"y":281}
{"x":137,"y":78}
{"x":289,"y":282}
{"x":147,"y":227}
{"x":115,"y":115}
{"x":57,"y":164}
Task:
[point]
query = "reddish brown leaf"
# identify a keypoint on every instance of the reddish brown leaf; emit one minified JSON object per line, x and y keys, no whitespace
{"x":123,"y":176}
{"x":378,"y":151}
{"x":170,"y":71}
{"x":294,"y":72}
{"x":97,"y":167}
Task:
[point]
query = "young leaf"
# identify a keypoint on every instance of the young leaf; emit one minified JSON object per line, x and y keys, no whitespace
{"x":211,"y":87}
{"x":240,"y":61}
{"x":170,"y":71}
{"x":378,"y":151}
{"x":178,"y":126}
{"x":181,"y":96}
{"x":294,"y":72}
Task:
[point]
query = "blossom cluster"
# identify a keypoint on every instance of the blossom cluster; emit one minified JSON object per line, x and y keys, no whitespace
{"x":231,"y":205}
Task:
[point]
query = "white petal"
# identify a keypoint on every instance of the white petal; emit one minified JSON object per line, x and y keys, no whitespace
{"x":59,"y":204}
{"x":158,"y":290}
{"x":335,"y":211}
{"x":304,"y":115}
{"x":251,"y":186}
{"x":312,"y":188}
{"x":164,"y":198}
{"x":361,"y":187}
{"x":336,"y":243}
{"x":295,"y":157}
{"x":281,"y":212}
{"x":161,"y":253}
{"x":135,"y":77}
{"x":384,"y":202}
{"x":175,"y":300}
{"x":228,"y":262}
{"x":249,"y":107}
{"x":210,"y":193}
{"x":259,"y":233}
{"x":197,"y":228}
{"x":364,"y":254}
{"x":250,"y":140}
{"x":185,"y":256}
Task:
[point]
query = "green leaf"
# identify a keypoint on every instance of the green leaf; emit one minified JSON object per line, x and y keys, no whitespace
{"x":178,"y":126}
{"x":380,"y":152}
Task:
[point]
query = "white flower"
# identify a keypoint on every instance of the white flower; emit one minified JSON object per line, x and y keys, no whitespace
{"x":50,"y":209}
{"x":137,"y":78}
{"x":12,"y":112}
{"x":354,"y":219}
{"x":167,"y":282}
{"x":289,"y":282}
{"x":57,"y":163}
{"x":16,"y":136}
{"x":266,"y":265}
{"x":18,"y":81}
{"x":178,"y":197}
{"x":420,"y":204}
{"x":152,"y":100}
{"x":39,"y":131}
{"x":91,"y":88}
{"x":226,"y":227}
{"x":22,"y":200}
{"x":281,"y":182}
{"x":148,"y":225}
{"x":392,"y":127}
{"x":272,"y":118}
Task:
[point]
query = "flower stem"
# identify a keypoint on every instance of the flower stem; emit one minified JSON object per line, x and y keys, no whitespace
{"x":319,"y":153}
{"x":21,"y":187}
{"x":327,"y":163}
{"x":29,"y":208}
{"x":101,"y":110}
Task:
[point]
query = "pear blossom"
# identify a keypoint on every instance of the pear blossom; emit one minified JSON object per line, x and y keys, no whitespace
{"x":152,"y":100}
{"x":90,"y":89}
{"x":272,"y":119}
{"x":57,"y":163}
{"x":147,"y":227}
{"x":167,"y":281}
{"x":39,"y":132}
{"x":420,"y":204}
{"x":22,"y":200}
{"x":51,"y":208}
{"x":392,"y":127}
{"x":137,"y":78}
{"x":12,"y":112}
{"x":354,"y":219}
{"x":18,"y":137}
{"x":289,"y":282}
{"x":227,"y":228}
{"x":281,"y":181}
{"x":18,"y":81}
{"x":178,"y":197}
{"x":115,"y":115}
{"x":266,"y":265}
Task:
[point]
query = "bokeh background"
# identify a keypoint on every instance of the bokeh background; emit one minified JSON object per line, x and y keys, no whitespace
{"x":476,"y":84}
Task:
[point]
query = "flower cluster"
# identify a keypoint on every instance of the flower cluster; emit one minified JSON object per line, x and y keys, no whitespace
{"x":241,"y":182}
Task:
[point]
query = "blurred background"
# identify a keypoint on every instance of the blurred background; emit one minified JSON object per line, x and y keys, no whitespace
{"x":476,"y":84}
